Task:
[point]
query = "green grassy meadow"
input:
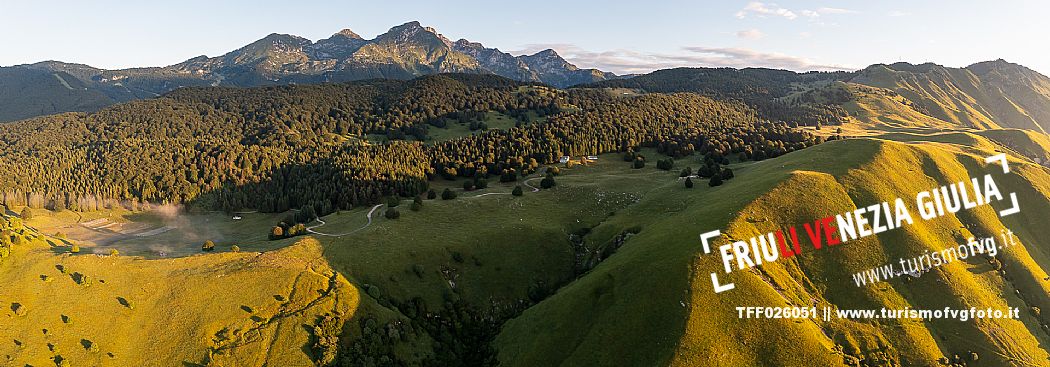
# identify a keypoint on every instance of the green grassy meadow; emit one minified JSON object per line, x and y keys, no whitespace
{"x":648,"y":303}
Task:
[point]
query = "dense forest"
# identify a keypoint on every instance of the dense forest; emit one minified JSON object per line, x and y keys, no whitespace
{"x":777,"y":95}
{"x":308,"y":147}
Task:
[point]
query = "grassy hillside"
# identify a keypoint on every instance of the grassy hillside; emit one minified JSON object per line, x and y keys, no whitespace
{"x":882,"y":109}
{"x":119,"y":311}
{"x":651,"y":303}
{"x":386,"y":284}
{"x":986,"y":95}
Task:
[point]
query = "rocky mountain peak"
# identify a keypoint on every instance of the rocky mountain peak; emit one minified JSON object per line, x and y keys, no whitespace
{"x":413,"y":32}
{"x":548,"y":60}
{"x":347,"y":33}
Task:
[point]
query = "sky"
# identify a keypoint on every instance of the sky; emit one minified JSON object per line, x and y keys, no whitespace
{"x":612,"y":35}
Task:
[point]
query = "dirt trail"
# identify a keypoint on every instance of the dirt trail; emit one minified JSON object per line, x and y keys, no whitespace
{"x":311,"y":229}
{"x":369,"y":215}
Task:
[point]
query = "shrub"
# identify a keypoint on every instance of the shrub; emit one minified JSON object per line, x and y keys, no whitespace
{"x":235,"y":248}
{"x":665,"y":164}
{"x":373,"y":291}
{"x":19,"y":309}
{"x":114,"y":252}
{"x":716,"y":180}
{"x":208,"y":246}
{"x":639,"y":162}
{"x":686,"y":172}
{"x":689,"y":182}
{"x":508,"y":175}
{"x":517,"y":191}
{"x":448,"y":194}
{"x":126,"y":303}
{"x":392,"y":213}
{"x":629,"y":156}
{"x":548,"y":182}
{"x":81,"y":279}
{"x":727,"y":173}
{"x":277,"y":232}
{"x":74,"y":249}
{"x":431,"y":194}
{"x":468,"y":185}
{"x":26,"y":213}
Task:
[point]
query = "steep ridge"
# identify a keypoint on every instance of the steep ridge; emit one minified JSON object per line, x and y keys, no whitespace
{"x":984,"y":95}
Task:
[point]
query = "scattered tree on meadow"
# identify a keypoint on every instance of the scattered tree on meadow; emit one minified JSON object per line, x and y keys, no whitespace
{"x":208,"y":246}
{"x":517,"y":191}
{"x":448,"y":194}
{"x":665,"y":164}
{"x":689,"y":182}
{"x":639,"y":162}
{"x":716,"y":180}
{"x":548,"y":181}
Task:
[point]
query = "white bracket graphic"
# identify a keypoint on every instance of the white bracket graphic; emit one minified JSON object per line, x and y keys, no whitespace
{"x":1001,"y":157}
{"x":1014,"y":210}
{"x":719,"y":288}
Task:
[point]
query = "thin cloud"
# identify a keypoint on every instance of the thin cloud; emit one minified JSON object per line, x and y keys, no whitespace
{"x":751,"y":34}
{"x":898,"y":13}
{"x":835,"y":11}
{"x":633,"y":62}
{"x":764,"y":10}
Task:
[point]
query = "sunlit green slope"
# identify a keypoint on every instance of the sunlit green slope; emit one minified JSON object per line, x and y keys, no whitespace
{"x":652,"y":302}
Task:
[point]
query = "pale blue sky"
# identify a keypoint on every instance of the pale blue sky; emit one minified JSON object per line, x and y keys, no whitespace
{"x":619,"y":36}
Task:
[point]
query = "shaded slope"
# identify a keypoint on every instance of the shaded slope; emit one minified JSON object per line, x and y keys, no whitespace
{"x":27,"y":92}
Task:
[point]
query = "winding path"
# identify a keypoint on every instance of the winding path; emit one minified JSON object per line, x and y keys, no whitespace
{"x":534,"y":188}
{"x":369,"y":215}
{"x":374,"y":208}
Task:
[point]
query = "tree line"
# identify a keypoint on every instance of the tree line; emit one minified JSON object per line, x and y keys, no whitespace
{"x":306,"y":147}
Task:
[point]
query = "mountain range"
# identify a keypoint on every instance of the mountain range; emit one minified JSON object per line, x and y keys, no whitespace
{"x":985,"y":95}
{"x":991,"y":94}
{"x":405,"y":51}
